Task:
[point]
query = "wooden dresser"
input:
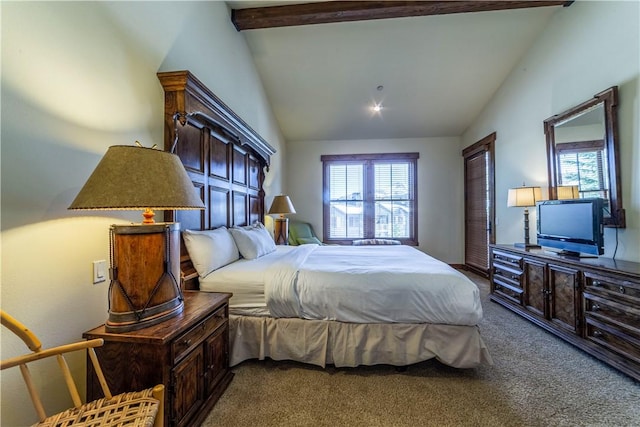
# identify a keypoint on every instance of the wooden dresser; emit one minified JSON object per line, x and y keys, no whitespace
{"x":189,"y":354}
{"x":593,"y":303}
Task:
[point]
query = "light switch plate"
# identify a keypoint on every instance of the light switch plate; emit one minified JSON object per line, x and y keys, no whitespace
{"x":99,"y":271}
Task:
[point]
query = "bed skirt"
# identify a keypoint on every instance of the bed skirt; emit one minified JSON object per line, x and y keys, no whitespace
{"x":322,"y":342}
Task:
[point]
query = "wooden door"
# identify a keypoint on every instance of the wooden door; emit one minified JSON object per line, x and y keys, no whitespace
{"x":479,"y":201}
{"x":564,"y":297}
{"x":535,"y":287}
{"x":189,"y":387}
{"x":216,"y":358}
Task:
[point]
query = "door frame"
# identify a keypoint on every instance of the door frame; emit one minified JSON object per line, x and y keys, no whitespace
{"x":486,"y":145}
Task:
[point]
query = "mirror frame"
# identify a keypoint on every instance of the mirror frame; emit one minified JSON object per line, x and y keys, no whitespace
{"x":609,"y":98}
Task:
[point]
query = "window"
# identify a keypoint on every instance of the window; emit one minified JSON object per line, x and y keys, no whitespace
{"x":581,"y":164}
{"x":368,"y":196}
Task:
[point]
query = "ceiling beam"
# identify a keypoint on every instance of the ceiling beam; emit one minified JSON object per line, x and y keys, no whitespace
{"x":343,"y":11}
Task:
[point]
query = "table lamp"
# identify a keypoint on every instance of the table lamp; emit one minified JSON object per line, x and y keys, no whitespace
{"x":567,"y":192}
{"x":144,"y":258}
{"x":281,"y":206}
{"x":524,"y":197}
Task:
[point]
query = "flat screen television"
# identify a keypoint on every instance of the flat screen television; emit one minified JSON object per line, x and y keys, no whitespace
{"x":573,"y":226}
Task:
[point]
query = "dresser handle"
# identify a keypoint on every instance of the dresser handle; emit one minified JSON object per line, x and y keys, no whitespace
{"x":595,"y":307}
{"x":186,"y":342}
{"x":622,"y":289}
{"x":595,"y":283}
{"x":597,"y":333}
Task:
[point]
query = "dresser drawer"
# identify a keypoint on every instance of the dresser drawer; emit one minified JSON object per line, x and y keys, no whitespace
{"x":507,"y":291}
{"x":506,"y":258}
{"x":615,"y":337}
{"x":507,"y":274}
{"x":626,"y":291}
{"x":190,"y":339}
{"x":612,"y":311}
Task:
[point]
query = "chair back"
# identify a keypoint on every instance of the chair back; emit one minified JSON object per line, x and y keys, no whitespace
{"x":34,"y":344}
{"x":133,"y":409}
{"x":302,"y":232}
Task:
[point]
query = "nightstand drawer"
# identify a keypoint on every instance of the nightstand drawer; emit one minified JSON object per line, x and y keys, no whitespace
{"x":192,"y":338}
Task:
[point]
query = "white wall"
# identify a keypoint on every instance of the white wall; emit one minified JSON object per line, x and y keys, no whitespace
{"x":585,"y":49}
{"x":78,"y":77}
{"x":440,"y":186}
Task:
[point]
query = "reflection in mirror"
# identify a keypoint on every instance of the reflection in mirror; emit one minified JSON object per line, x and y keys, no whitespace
{"x":582,"y":154}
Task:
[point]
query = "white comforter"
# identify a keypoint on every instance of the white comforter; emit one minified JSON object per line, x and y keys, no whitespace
{"x":370,"y":284}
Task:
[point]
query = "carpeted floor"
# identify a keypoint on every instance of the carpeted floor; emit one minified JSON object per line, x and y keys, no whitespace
{"x":536,"y":380}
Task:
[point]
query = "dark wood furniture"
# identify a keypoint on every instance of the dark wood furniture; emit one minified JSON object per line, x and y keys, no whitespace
{"x":591,"y":126}
{"x":593,"y":303}
{"x":224,"y":157}
{"x":188,"y":354}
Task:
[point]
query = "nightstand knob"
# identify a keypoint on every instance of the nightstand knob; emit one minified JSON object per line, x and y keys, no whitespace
{"x":622,"y":289}
{"x":595,"y":307}
{"x":596,"y":283}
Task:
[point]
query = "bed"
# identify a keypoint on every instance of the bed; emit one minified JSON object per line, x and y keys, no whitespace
{"x":396,"y":306}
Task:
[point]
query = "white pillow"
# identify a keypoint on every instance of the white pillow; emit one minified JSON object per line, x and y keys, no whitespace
{"x":210,"y":249}
{"x":253,"y":241}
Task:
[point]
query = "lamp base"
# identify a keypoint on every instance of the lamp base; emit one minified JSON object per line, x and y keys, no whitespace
{"x":281,"y":231}
{"x":527,"y":246}
{"x":129,"y":321}
{"x":145,"y":266}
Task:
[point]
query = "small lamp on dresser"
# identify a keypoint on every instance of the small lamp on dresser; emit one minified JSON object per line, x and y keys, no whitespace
{"x":525,"y":197}
{"x":281,"y":206}
{"x":567,"y":192}
{"x":145,"y":258}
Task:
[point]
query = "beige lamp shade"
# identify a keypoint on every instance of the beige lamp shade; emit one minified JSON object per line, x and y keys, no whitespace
{"x":566,"y":192}
{"x":524,"y":196}
{"x":138,"y":178}
{"x":281,"y":206}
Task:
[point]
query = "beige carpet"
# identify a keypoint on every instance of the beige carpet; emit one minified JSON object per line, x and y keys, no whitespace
{"x":536,"y":380}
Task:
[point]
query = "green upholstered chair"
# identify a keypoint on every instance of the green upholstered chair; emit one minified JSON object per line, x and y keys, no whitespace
{"x":301,"y":233}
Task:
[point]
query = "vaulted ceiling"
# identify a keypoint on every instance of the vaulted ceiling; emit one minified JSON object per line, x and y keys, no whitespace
{"x":431,"y":74}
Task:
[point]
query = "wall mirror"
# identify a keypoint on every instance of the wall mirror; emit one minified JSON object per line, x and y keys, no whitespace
{"x":582,"y":154}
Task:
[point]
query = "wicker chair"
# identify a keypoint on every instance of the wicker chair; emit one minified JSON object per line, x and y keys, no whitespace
{"x":137,"y":409}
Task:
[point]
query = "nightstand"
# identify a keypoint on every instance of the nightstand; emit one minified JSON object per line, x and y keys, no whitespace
{"x":189,"y":354}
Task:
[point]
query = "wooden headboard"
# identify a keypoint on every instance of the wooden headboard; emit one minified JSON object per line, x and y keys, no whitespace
{"x":224,"y":157}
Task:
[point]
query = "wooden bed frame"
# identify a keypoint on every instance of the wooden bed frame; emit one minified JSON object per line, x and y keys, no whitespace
{"x":226,"y":160}
{"x":224,"y":157}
